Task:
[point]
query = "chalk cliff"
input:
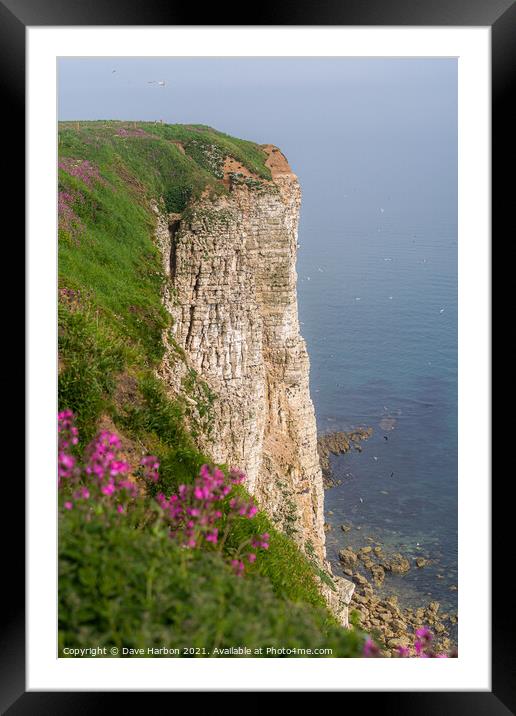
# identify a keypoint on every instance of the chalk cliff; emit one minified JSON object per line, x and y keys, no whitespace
{"x":230,"y":262}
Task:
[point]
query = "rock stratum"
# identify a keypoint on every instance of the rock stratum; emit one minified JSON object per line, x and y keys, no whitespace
{"x":230,"y":264}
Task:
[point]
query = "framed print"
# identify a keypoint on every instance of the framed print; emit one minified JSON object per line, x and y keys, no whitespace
{"x":258,"y":293}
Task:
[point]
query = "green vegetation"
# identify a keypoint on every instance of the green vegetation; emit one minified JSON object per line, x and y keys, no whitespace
{"x":289,"y":571}
{"x":127,"y":587}
{"x":208,"y":147}
{"x":89,"y":363}
{"x":158,"y":423}
{"x":125,"y":582}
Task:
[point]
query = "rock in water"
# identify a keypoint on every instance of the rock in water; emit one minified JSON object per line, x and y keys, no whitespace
{"x":348,"y":557}
{"x":338,"y":443}
{"x":378,"y":573}
{"x":397,"y":564}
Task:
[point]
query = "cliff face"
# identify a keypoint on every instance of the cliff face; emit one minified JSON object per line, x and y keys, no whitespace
{"x":232,"y":294}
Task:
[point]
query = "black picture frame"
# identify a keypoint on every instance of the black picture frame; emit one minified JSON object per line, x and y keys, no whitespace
{"x":15,"y":17}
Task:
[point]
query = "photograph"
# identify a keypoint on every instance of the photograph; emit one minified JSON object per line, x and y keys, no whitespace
{"x":257,"y":357}
{"x":258,"y":349}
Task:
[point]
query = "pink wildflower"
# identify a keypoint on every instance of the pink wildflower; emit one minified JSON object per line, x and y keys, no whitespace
{"x":236,"y":476}
{"x":150,"y":466}
{"x":261,"y":541}
{"x":370,"y":649}
{"x":81,"y":169}
{"x":68,"y":219}
{"x":238,"y":567}
{"x":65,"y":464}
{"x":106,"y":473}
{"x":423,"y":641}
{"x":212,"y":536}
{"x":82,"y":493}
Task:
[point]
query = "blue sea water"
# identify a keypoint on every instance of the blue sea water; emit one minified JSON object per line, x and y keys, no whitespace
{"x":378,"y":306}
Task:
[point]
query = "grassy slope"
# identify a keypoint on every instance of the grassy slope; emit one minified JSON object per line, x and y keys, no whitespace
{"x":111,"y":322}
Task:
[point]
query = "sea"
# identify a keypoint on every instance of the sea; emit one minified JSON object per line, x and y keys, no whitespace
{"x":377,"y":288}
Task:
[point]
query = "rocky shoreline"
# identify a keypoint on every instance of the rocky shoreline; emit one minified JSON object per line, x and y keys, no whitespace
{"x":392,"y":626}
{"x":338,"y":443}
{"x":370,"y":567}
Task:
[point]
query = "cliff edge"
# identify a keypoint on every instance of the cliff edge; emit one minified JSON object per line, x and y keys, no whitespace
{"x":230,"y":263}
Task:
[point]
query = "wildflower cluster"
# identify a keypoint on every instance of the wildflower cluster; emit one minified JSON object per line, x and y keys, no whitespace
{"x":138,"y":132}
{"x":81,"y":169}
{"x":68,"y":219}
{"x":423,"y":647}
{"x":68,"y":200}
{"x":150,"y":467}
{"x":196,"y":514}
{"x":104,"y":466}
{"x":74,"y":298}
{"x":67,"y":436}
{"x":258,"y":542}
{"x":370,"y":649}
{"x":102,"y":474}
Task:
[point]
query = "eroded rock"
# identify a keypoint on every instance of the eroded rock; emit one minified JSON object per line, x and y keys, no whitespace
{"x":348,"y":557}
{"x":397,"y":564}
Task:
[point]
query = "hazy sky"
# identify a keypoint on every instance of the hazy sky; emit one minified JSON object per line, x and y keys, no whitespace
{"x":383,"y":129}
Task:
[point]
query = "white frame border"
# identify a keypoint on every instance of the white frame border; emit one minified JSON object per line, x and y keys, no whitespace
{"x":472,"y":670}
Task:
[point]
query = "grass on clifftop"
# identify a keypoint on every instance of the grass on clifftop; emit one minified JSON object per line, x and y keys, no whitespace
{"x":111,"y":321}
{"x":109,"y":173}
